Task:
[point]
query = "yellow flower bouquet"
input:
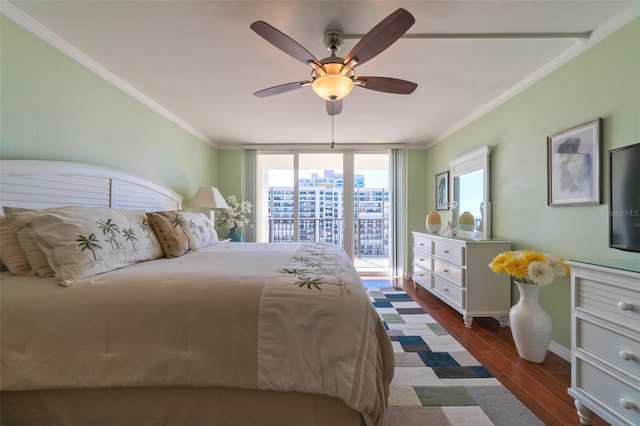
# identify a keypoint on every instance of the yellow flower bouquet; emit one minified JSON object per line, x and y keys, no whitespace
{"x":530,"y":267}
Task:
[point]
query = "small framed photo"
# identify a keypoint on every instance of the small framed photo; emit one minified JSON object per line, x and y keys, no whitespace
{"x":573,"y":165}
{"x":442,"y":191}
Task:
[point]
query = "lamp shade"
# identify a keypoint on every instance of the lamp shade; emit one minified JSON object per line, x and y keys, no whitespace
{"x":334,"y":81}
{"x":208,"y":197}
{"x":332,"y":86}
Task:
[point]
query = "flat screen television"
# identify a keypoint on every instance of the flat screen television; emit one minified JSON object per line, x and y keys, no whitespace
{"x":624,"y":203}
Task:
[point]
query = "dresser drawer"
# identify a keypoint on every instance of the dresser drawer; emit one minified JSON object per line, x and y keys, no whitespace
{"x":449,"y":290}
{"x":611,"y":302}
{"x":609,"y":391}
{"x":422,"y":260}
{"x":449,"y":252}
{"x":421,"y":276}
{"x":449,"y":271}
{"x":423,"y":244}
{"x":611,"y":346}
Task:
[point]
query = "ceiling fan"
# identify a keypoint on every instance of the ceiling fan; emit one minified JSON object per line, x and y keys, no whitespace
{"x":334,"y":77}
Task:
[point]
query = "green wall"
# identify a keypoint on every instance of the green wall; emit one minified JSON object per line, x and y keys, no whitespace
{"x":418,"y":178}
{"x":232,"y":172}
{"x":53,"y":108}
{"x":602,"y":82}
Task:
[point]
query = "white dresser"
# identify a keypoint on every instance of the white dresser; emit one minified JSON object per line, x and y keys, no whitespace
{"x":457,"y":271}
{"x":605,"y":341}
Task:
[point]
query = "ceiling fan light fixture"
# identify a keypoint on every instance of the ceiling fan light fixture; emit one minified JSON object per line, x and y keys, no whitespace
{"x":332,"y":87}
{"x":333,"y":77}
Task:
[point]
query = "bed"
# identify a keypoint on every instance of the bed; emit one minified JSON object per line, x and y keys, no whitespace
{"x":221,"y":334}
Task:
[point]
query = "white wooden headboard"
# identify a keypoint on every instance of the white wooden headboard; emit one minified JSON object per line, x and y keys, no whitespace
{"x":41,"y":184}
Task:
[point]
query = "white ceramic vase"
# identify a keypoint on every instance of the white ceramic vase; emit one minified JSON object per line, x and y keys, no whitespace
{"x":531,"y":326}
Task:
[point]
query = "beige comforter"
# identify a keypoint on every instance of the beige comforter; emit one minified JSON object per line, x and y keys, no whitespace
{"x":290,"y":317}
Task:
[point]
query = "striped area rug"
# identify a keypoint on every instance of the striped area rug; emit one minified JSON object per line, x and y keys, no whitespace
{"x":436,"y":381}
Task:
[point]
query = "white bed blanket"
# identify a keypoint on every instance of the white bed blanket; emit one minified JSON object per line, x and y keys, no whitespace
{"x":290,"y":316}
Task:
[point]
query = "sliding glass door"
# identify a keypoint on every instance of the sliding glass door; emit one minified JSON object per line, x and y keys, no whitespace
{"x":321,"y":197}
{"x":372,"y":212}
{"x":276,"y":209}
{"x":337,"y":197}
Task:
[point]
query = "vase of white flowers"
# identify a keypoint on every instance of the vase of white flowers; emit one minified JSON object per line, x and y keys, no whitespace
{"x":235,"y":217}
{"x":531,"y":325}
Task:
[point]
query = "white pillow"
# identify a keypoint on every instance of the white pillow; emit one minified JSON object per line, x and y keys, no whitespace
{"x":11,"y":254}
{"x":204,"y":233}
{"x":80,"y":242}
{"x":34,"y":255}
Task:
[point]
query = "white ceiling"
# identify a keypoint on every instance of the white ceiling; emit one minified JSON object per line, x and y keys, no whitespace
{"x":199,"y":63}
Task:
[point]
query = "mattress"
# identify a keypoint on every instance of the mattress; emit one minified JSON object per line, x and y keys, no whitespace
{"x":256,"y":317}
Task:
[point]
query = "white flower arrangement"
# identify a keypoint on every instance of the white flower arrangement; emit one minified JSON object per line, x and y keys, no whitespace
{"x":236,"y":215}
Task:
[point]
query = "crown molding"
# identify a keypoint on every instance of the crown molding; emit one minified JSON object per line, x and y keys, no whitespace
{"x":614,"y":24}
{"x":28,"y":23}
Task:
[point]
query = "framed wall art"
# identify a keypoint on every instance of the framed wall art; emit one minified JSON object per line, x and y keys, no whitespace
{"x":442,"y":191}
{"x":573,"y":165}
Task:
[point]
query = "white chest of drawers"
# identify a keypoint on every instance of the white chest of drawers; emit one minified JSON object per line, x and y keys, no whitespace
{"x":605,"y":342}
{"x":457,"y":271}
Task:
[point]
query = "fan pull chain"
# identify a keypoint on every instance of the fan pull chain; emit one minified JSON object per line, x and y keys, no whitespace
{"x":332,"y":141}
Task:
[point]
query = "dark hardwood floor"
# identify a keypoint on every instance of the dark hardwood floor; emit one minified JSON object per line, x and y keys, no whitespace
{"x":541,"y":387}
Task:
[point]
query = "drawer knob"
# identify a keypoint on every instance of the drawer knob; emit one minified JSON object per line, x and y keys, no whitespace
{"x":627,"y":356}
{"x":446,"y":251}
{"x":445,"y":270}
{"x":422,"y":259}
{"x":624,"y":306}
{"x":625,"y":403}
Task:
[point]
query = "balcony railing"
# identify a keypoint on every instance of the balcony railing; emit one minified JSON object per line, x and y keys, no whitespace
{"x":371,"y":236}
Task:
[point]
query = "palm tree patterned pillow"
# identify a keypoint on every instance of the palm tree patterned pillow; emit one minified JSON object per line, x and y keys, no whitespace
{"x":172,"y":229}
{"x":80,"y":242}
{"x":203,"y":230}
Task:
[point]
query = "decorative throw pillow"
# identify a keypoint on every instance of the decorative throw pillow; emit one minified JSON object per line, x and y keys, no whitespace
{"x":80,"y":242}
{"x":202,"y":229}
{"x":11,"y":254}
{"x":35,"y":257}
{"x":172,"y":229}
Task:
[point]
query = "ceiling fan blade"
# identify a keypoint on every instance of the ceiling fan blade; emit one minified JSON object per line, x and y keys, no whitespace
{"x":386,"y":84}
{"x":285,"y":43}
{"x":381,"y":36}
{"x":282,"y":88}
{"x":334,"y":107}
